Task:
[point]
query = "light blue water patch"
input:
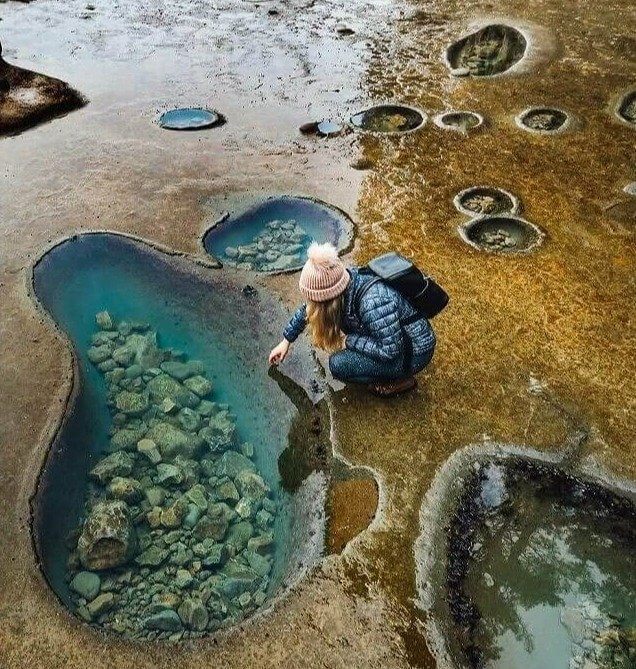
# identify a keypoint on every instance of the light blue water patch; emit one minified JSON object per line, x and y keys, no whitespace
{"x":197,"y":311}
{"x":248,"y":241}
{"x":330,"y":127}
{"x":189,"y":118}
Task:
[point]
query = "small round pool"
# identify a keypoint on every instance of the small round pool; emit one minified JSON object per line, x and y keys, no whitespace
{"x":272,"y":236}
{"x":190,"y":118}
{"x":388,"y":119}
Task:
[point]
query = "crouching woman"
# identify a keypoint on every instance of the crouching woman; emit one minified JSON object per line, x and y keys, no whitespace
{"x":374,"y":335}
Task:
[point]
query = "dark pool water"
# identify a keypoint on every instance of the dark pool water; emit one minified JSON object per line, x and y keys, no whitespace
{"x":490,"y":50}
{"x":482,"y":200}
{"x":189,"y":118}
{"x":388,"y":119}
{"x":501,"y":234}
{"x":543,"y":119}
{"x":197,"y":315}
{"x":273,"y":236}
{"x":540,"y":570}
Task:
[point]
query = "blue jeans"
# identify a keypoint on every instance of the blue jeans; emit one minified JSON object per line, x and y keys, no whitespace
{"x":353,"y":367}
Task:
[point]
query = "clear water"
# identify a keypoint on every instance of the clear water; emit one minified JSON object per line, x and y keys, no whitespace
{"x":552,"y":571}
{"x":188,"y":118}
{"x":319,"y":221}
{"x":197,"y":311}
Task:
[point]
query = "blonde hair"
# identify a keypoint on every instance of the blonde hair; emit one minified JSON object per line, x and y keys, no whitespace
{"x":323,"y":319}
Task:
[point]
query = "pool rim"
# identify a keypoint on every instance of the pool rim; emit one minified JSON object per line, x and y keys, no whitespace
{"x":464,"y":229}
{"x":393,"y":133}
{"x":566,"y":126}
{"x":519,"y":67}
{"x":457,"y":201}
{"x":438,"y":120}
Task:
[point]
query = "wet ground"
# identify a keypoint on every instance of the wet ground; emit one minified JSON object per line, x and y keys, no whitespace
{"x":557,"y":320}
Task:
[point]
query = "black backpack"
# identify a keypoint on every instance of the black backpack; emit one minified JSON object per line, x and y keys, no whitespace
{"x":426,"y":296}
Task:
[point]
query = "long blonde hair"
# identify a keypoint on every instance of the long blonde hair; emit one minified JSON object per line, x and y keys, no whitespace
{"x":324,"y":319}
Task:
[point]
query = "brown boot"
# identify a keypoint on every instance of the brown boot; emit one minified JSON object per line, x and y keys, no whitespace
{"x":392,"y":388}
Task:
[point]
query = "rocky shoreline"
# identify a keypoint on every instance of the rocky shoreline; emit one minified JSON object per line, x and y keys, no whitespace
{"x":176,"y":540}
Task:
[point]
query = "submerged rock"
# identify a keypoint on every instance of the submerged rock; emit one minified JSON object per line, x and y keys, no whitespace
{"x":115,"y":464}
{"x":166,"y":621}
{"x":191,"y":523}
{"x":193,"y":614}
{"x":86,"y":584}
{"x":278,"y":247}
{"x":107,"y":538}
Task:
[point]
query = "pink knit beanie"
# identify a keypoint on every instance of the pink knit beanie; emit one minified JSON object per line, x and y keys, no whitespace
{"x":324,"y":276}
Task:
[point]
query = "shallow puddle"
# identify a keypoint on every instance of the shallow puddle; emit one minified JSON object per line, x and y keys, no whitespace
{"x":388,"y":119}
{"x":539,"y":568}
{"x":501,"y":234}
{"x":459,"y":120}
{"x":161,"y":511}
{"x":273,"y":236}
{"x":190,"y":118}
{"x":488,"y":51}
{"x":543,"y":119}
{"x":480,"y":200}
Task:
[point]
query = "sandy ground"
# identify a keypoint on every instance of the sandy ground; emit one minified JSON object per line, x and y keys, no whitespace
{"x":562,"y":316}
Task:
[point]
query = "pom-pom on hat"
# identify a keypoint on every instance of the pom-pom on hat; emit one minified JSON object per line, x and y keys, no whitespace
{"x":324,"y":275}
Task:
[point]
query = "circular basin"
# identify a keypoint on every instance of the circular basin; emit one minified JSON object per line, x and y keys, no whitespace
{"x":190,"y":118}
{"x":524,"y":563}
{"x":388,"y":119}
{"x":544,"y":120}
{"x":273,"y":235}
{"x":489,"y":51}
{"x":501,"y":234}
{"x":627,"y":108}
{"x":461,"y":121}
{"x":486,"y":200}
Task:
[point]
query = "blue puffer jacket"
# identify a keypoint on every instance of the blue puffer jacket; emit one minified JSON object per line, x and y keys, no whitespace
{"x":373,"y":324}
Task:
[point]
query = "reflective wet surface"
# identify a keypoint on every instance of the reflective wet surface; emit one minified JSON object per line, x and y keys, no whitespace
{"x":545,"y":315}
{"x":551,"y":569}
{"x":536,"y":566}
{"x":461,"y":121}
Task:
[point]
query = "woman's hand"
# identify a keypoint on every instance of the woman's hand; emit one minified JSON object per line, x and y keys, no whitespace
{"x":279,"y":353}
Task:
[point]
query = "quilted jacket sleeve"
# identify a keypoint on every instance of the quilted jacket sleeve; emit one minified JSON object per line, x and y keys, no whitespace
{"x":297,"y":324}
{"x":379,"y":313}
